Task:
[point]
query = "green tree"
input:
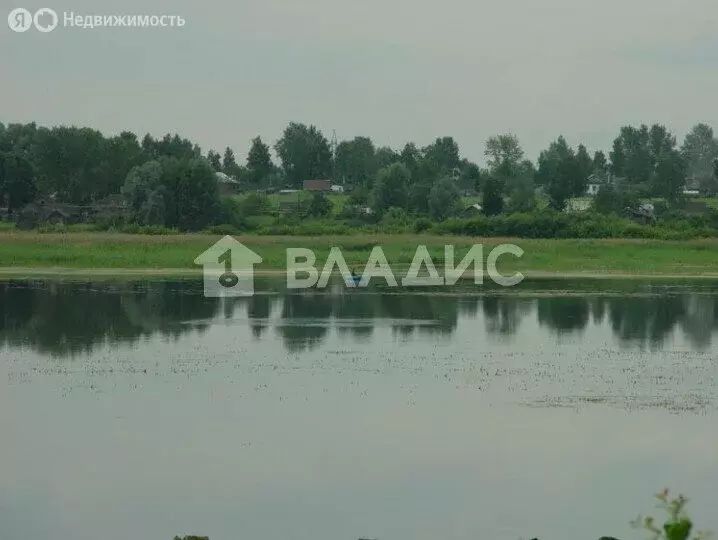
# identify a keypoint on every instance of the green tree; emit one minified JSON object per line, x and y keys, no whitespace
{"x":17,"y":181}
{"x":606,"y":200}
{"x":504,"y":155}
{"x":493,"y":200}
{"x":521,"y":190}
{"x":229,"y":163}
{"x":194,"y":193}
{"x":215,"y":160}
{"x":254,"y":204}
{"x":631,"y":156}
{"x":70,"y":163}
{"x":470,"y":177}
{"x":391,"y":188}
{"x":600,"y":164}
{"x":444,"y":200}
{"x":584,"y":169}
{"x":557,"y":170}
{"x":385,"y":156}
{"x":411,"y":157}
{"x":171,"y":145}
{"x":614,"y":200}
{"x":184,"y":191}
{"x":443,"y":153}
{"x":700,"y":150}
{"x":637,"y":152}
{"x":669,"y":176}
{"x":305,"y":154}
{"x":356,"y":162}
{"x":319,"y":205}
{"x":419,"y":198}
{"x":259,"y":162}
{"x":142,"y":185}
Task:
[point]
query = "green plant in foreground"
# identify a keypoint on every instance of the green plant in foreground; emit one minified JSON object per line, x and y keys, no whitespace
{"x":678,"y":526}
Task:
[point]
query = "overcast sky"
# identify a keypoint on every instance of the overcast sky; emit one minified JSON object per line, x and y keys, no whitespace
{"x":394,"y":70}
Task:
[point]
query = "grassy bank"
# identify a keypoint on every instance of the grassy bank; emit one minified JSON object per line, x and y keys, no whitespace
{"x":158,"y":254}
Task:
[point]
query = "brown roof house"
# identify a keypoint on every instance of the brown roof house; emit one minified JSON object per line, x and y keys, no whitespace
{"x":472,"y":210}
{"x":318,"y":185}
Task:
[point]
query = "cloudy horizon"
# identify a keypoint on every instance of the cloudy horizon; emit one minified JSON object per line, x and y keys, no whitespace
{"x":395,"y":71}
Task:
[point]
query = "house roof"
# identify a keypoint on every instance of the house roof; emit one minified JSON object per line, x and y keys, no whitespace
{"x":225,"y":178}
{"x":317,"y":183}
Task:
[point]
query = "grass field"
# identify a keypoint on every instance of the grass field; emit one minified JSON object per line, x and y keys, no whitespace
{"x":21,"y":251}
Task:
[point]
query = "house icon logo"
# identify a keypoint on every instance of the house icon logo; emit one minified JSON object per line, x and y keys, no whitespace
{"x":228,"y":269}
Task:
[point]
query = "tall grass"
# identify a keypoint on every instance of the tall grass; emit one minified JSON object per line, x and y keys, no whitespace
{"x":178,"y":251}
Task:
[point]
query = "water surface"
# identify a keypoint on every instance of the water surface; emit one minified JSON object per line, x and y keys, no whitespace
{"x":555,"y":409}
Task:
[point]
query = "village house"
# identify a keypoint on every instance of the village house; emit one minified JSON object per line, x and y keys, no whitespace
{"x":228,"y":185}
{"x":472,"y":210}
{"x":318,"y":185}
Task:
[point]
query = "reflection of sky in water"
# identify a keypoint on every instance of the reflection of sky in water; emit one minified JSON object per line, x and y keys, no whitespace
{"x":492,"y":418}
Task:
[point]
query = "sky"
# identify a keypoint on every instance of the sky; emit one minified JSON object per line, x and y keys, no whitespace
{"x":393,"y":70}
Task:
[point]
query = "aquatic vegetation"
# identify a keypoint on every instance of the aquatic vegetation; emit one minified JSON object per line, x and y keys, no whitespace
{"x":678,"y":526}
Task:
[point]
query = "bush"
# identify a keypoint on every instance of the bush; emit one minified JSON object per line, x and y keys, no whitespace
{"x":147,"y":229}
{"x":224,"y":229}
{"x":395,"y":219}
{"x":549,"y":224}
{"x":230,"y":213}
{"x":52,"y":228}
{"x":422,"y":224}
{"x":254,"y":204}
{"x":319,"y":206}
{"x":678,"y":526}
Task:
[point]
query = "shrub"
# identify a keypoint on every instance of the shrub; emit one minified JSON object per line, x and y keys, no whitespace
{"x":254,"y":204}
{"x":224,"y":229}
{"x":422,"y":224}
{"x":147,"y":229}
{"x":395,"y":219}
{"x":678,"y":526}
{"x":230,"y":213}
{"x":319,"y":205}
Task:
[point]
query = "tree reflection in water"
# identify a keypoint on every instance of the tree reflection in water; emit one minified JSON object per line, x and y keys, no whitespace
{"x":66,"y":319}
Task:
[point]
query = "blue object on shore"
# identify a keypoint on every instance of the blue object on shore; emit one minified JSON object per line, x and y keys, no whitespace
{"x":355,"y":278}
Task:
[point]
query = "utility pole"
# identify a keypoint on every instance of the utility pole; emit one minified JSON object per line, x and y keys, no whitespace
{"x":333,"y":146}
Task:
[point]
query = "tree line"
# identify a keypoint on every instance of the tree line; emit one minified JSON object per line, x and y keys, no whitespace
{"x":172,"y":182}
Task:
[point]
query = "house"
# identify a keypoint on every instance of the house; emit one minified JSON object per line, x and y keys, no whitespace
{"x":695,"y":207}
{"x":36,"y":213}
{"x":112,"y":201}
{"x":595,"y":182}
{"x":580,"y":204}
{"x":648,"y":208}
{"x":642,"y":214}
{"x":472,"y":210}
{"x":692,"y":187}
{"x":317,"y":185}
{"x":227,"y":184}
{"x":336,"y":188}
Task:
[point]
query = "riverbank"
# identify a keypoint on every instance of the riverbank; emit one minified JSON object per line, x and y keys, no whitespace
{"x":32,"y":253}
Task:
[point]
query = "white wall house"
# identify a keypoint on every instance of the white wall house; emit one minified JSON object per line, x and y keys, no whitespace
{"x":593,"y":189}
